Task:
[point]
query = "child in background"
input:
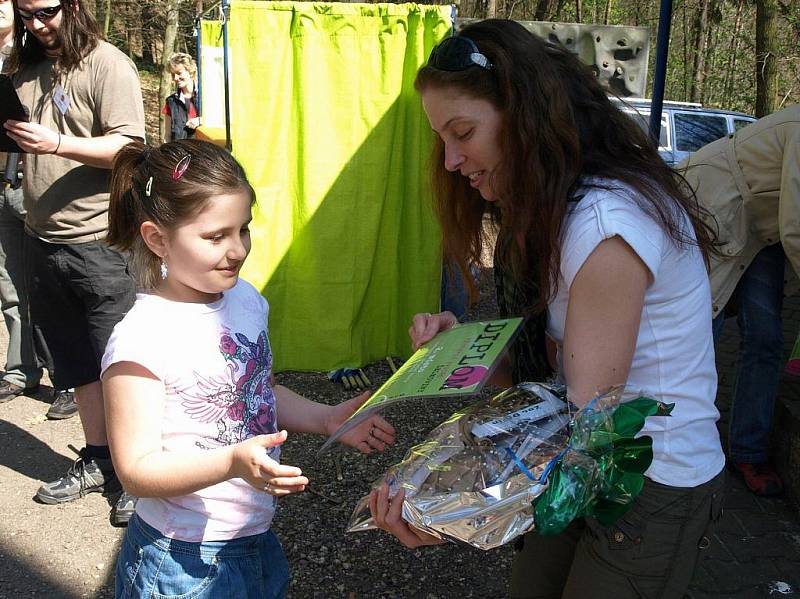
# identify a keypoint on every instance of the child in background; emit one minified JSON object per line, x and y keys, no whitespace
{"x":181,"y":116}
{"x":195,"y":423}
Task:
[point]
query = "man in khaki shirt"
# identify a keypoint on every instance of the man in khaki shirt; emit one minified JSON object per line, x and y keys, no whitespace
{"x":26,"y":353}
{"x":84,"y":103}
{"x":750,"y":182}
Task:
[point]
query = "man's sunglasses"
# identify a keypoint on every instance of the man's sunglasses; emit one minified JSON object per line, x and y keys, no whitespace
{"x":43,"y":14}
{"x":457,"y":53}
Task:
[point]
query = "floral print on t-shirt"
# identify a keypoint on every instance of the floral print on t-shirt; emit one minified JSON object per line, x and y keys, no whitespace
{"x":239,"y":402}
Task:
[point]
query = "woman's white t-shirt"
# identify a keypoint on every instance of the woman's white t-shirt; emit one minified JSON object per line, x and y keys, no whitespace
{"x":674,"y":356}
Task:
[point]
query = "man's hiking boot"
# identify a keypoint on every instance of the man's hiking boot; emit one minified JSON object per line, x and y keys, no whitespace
{"x":761,"y":479}
{"x":123,"y":509}
{"x":63,"y":406}
{"x":86,"y":475}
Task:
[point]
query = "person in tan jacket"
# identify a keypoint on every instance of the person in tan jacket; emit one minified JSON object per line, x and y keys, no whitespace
{"x":750,"y":183}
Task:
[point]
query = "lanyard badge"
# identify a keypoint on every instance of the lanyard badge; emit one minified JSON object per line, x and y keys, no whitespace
{"x":61,"y":99}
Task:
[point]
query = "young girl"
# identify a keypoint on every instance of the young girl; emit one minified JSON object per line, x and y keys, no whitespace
{"x":181,"y":116}
{"x":601,"y":242}
{"x":195,"y":423}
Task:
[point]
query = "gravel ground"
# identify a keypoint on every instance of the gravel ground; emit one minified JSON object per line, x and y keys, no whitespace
{"x":325,"y":561}
{"x":69,"y":551}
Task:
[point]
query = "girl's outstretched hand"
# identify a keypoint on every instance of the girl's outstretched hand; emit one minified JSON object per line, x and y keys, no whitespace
{"x":425,"y":327}
{"x":388,"y":515}
{"x":374,"y":434}
{"x":251,"y":463}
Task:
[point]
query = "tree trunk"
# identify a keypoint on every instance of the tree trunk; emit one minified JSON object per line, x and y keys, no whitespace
{"x":543,"y":10}
{"x":712,"y":43}
{"x":607,"y":12}
{"x":150,"y":33}
{"x":170,"y":33}
{"x":766,"y":57}
{"x":559,"y":9}
{"x":578,"y":16}
{"x":733,"y":49}
{"x":685,"y":22}
{"x":135,"y":28}
{"x":107,"y":19}
{"x":491,"y":9}
{"x":699,"y":63}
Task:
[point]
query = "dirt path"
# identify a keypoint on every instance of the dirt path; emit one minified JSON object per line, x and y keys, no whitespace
{"x":54,"y":551}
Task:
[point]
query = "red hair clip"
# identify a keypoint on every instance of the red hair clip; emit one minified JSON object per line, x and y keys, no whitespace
{"x":181,"y":167}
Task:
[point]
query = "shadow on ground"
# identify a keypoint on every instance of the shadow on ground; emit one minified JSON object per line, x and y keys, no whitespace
{"x":27,"y":455}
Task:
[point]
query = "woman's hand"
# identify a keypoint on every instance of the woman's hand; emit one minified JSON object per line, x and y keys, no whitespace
{"x":251,"y":463}
{"x":388,"y":515}
{"x":193,"y":123}
{"x":425,"y":327}
{"x":374,"y":434}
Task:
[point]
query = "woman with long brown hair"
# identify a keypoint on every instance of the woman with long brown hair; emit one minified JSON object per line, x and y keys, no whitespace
{"x":603,"y":245}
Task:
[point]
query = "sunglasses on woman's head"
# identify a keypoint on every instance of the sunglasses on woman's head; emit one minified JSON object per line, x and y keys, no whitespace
{"x":43,"y":14}
{"x":457,"y":53}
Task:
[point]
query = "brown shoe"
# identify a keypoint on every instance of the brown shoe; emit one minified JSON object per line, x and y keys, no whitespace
{"x":9,"y":391}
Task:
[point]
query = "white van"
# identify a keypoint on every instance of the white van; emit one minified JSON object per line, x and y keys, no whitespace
{"x":685,"y":126}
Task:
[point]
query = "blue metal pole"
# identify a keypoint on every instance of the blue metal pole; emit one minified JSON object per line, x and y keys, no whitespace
{"x":225,"y":70}
{"x":660,"y":74}
{"x":199,"y":55}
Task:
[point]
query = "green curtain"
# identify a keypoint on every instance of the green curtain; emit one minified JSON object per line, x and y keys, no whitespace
{"x":327,"y":124}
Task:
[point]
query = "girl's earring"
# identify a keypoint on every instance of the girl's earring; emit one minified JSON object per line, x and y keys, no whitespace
{"x":163,"y":269}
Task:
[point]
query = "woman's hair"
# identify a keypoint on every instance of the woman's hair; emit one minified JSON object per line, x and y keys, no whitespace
{"x":181,"y":59}
{"x":78,"y":34}
{"x":558,"y":127}
{"x":166,"y":186}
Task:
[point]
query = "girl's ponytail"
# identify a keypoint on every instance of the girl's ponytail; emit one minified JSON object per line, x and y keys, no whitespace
{"x":125,"y":205}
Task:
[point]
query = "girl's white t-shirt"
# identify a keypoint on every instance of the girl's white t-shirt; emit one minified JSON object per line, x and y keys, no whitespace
{"x":674,"y":356}
{"x":216,"y":365}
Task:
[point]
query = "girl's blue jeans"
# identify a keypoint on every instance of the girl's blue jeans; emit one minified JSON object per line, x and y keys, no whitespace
{"x":152,"y":565}
{"x":760,"y":298}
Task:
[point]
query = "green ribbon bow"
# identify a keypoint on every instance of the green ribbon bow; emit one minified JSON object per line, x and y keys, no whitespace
{"x":602,"y":470}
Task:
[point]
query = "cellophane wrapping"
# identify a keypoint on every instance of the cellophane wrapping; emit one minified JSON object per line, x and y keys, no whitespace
{"x":523,"y":460}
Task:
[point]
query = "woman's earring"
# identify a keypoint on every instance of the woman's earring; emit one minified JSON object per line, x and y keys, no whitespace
{"x":163,"y":269}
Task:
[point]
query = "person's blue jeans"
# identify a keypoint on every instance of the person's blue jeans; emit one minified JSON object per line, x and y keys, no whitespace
{"x":152,"y":565}
{"x":23,"y":361}
{"x":454,"y":295}
{"x":758,"y":370}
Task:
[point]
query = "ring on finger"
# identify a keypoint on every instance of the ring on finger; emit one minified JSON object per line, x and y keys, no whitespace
{"x":268,"y":488}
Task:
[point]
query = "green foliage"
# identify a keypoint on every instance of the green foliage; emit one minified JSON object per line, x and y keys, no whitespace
{"x":724,"y":42}
{"x":727,"y":46}
{"x":137,"y":28}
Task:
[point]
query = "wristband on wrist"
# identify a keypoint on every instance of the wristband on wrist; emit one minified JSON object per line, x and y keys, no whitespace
{"x":58,"y":145}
